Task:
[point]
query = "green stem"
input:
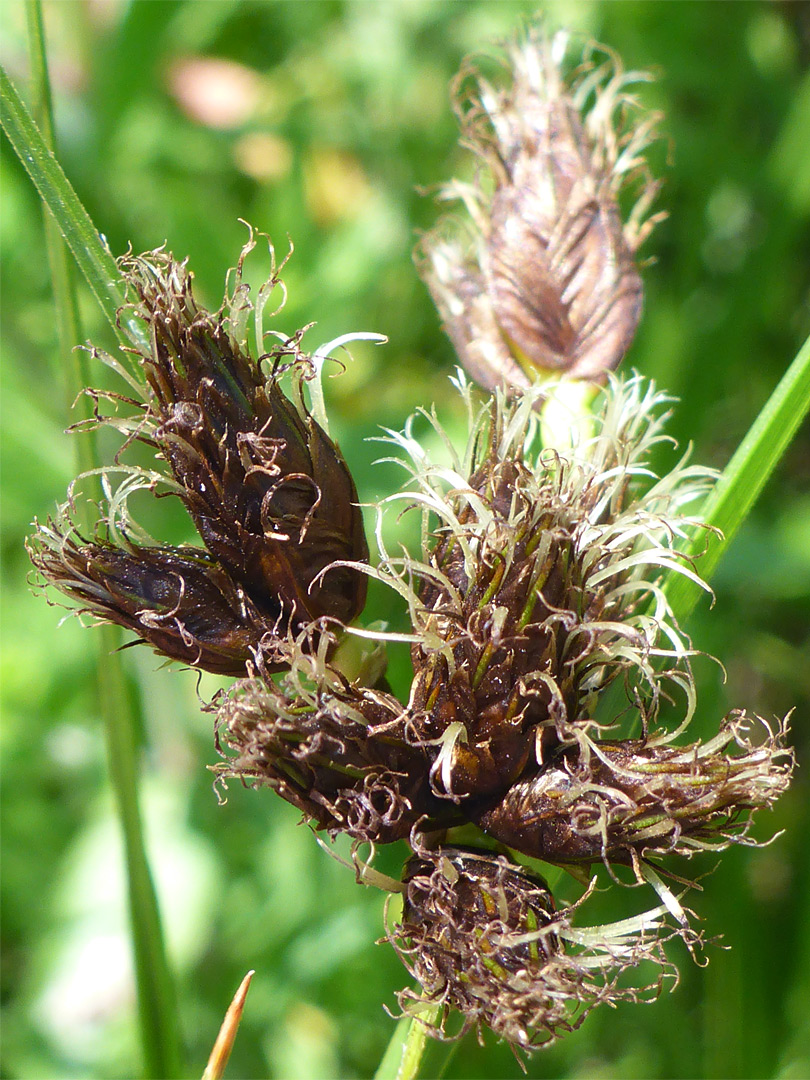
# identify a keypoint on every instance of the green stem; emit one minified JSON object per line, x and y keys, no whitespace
{"x":157,"y":1006}
{"x":156,"y":1002}
{"x":412,"y":1051}
{"x":744,"y":478}
{"x":404,"y":1052}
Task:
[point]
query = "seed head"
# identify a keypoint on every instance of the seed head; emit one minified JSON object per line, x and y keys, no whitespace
{"x":269,"y":492}
{"x":266,"y":488}
{"x":626,"y":801}
{"x":482,"y":935}
{"x":176,"y":599}
{"x":337,"y":751}
{"x":544,"y":279}
{"x":537,"y":585}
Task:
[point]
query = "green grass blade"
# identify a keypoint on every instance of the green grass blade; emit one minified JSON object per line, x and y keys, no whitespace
{"x":745,"y":476}
{"x":72,"y":374}
{"x":413,"y":1053}
{"x":155,"y":991}
{"x":403,"y":1055}
{"x":91,"y":255}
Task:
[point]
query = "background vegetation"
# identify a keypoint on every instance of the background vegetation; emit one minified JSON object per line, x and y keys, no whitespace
{"x":336,"y":113}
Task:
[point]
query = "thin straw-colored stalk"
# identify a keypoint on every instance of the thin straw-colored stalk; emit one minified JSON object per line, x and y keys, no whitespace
{"x":156,"y":1003}
{"x":215,"y":1069}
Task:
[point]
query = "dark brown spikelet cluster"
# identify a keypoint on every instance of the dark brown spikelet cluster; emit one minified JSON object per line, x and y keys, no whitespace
{"x":625,"y":801}
{"x":535,"y":598}
{"x":337,"y":750}
{"x":538,"y":586}
{"x":526,"y":973}
{"x":545,"y":543}
{"x":522,"y":607}
{"x":176,"y":599}
{"x":267,"y":490}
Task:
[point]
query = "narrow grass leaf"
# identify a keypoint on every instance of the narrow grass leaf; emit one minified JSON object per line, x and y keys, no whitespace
{"x":86,"y":245}
{"x":155,"y":991}
{"x":744,"y":478}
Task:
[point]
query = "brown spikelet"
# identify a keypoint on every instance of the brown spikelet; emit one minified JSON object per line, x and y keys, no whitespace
{"x":622,"y":801}
{"x":546,"y":280}
{"x":267,"y":489}
{"x":176,"y":599}
{"x":338,"y":752}
{"x":482,"y":935}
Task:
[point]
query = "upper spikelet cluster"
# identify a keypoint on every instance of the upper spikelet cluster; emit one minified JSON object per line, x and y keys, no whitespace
{"x":539,"y":585}
{"x":543,"y":278}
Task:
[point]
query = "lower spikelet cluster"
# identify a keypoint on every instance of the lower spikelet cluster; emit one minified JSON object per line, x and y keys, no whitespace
{"x":537,"y":587}
{"x":526,"y":973}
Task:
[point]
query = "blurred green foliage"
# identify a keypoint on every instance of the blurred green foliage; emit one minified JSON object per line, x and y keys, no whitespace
{"x":325,"y":120}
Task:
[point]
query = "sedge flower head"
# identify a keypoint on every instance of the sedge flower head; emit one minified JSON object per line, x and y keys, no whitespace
{"x":482,"y":937}
{"x":539,"y":583}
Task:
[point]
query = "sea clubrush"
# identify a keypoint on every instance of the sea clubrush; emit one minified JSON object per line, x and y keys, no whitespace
{"x":537,"y":588}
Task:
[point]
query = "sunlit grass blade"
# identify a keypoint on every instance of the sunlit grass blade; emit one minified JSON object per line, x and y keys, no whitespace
{"x":157,"y":1008}
{"x":413,"y":1053}
{"x":215,"y":1068}
{"x":156,"y":1003}
{"x":91,"y":255}
{"x":745,"y":476}
{"x":73,"y":374}
{"x":403,"y":1056}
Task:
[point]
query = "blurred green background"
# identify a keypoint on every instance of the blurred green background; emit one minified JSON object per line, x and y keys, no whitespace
{"x":320,"y":120}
